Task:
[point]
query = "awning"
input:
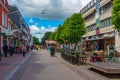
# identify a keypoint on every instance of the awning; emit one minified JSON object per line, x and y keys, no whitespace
{"x":50,"y":42}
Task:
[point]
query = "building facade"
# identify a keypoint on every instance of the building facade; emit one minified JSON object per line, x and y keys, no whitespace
{"x":99,"y":36}
{"x":4,"y":9}
{"x":19,"y":32}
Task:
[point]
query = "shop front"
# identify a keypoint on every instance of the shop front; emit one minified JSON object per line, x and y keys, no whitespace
{"x":98,"y":42}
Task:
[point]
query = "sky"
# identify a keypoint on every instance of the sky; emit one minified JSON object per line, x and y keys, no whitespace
{"x":45,"y":15}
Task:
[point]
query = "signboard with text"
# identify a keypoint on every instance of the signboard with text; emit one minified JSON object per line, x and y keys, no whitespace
{"x":97,"y":16}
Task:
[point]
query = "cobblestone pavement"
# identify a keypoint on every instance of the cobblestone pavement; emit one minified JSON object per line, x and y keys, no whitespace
{"x":41,"y":66}
{"x":9,"y":63}
{"x":85,"y":73}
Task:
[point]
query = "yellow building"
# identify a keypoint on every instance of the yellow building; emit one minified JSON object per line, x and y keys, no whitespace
{"x":107,"y":34}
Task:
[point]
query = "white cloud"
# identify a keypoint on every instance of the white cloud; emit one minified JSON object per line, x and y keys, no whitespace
{"x":53,"y":9}
{"x":42,"y":28}
{"x":31,"y":20}
{"x":39,"y":31}
{"x":84,"y":2}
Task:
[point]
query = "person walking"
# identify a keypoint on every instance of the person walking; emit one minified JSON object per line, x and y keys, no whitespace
{"x":52,"y":51}
{"x":20,"y":48}
{"x":5,"y":49}
{"x":23,"y":50}
{"x":11,"y":49}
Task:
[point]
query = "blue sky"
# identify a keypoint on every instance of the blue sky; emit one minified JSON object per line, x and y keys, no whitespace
{"x":56,"y":11}
{"x":43,"y":22}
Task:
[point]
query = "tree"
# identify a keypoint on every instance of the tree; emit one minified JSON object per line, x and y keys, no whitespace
{"x":46,"y":37}
{"x":72,"y":30}
{"x":64,"y":35}
{"x":58,"y":33}
{"x":52,"y":36}
{"x":35,"y":40}
{"x":116,"y":14}
{"x":76,"y":28}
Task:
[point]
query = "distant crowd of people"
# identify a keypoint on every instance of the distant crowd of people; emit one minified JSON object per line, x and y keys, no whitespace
{"x":11,"y":49}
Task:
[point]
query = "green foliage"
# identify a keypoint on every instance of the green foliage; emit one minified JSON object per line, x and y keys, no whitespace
{"x":71,"y":53}
{"x":52,"y":36}
{"x":116,"y":14}
{"x":46,"y":37}
{"x":76,"y":28}
{"x":58,"y":33}
{"x":63,"y":35}
{"x":35,"y":40}
{"x":72,"y":30}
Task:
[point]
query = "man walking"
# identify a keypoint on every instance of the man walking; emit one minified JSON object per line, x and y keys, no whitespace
{"x":5,"y":48}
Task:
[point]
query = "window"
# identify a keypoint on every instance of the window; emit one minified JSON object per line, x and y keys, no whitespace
{"x":105,"y":7}
{"x":3,"y":19}
{"x":6,"y":20}
{"x":102,"y":24}
{"x":105,"y":23}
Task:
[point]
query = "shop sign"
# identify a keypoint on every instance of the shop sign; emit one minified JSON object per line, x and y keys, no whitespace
{"x":97,"y":16}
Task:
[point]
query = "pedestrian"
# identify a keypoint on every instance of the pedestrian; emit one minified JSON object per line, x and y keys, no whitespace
{"x":20,"y":48}
{"x":23,"y":50}
{"x":52,"y":50}
{"x":27,"y":48}
{"x":11,"y":49}
{"x":5,"y":48}
{"x":111,"y":56}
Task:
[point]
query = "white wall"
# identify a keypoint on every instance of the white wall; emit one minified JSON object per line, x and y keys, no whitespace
{"x":117,"y":41}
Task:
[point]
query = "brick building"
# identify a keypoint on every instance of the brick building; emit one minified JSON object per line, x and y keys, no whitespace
{"x":4,"y":9}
